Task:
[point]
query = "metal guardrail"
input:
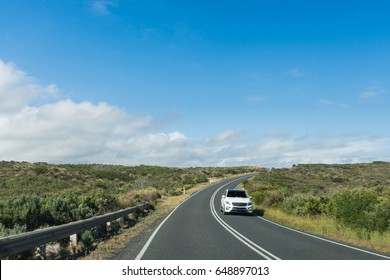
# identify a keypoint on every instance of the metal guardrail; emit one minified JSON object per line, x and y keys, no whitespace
{"x":29,"y":240}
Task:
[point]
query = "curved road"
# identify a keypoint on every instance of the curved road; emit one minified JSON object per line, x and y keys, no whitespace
{"x":197,"y":230}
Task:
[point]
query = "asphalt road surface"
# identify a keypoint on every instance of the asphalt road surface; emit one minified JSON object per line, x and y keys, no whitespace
{"x":198,"y":230}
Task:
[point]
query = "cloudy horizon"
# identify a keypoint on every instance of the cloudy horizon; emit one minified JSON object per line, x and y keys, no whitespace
{"x":43,"y":125}
{"x":184,"y":85}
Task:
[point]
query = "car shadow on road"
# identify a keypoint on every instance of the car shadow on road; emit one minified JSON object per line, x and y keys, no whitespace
{"x":255,"y":213}
{"x":258,"y":212}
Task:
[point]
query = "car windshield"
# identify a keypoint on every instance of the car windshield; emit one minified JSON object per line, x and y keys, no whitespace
{"x":236,"y":193}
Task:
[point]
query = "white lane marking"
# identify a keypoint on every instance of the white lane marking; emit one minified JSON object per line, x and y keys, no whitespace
{"x":250,"y":244}
{"x":326,"y":240}
{"x":147,"y":244}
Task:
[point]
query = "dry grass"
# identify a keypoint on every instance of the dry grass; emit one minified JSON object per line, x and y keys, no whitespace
{"x":329,"y":228}
{"x":130,"y":198}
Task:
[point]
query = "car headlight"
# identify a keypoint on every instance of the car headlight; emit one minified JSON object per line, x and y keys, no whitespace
{"x":249,"y":203}
{"x":228,"y":202}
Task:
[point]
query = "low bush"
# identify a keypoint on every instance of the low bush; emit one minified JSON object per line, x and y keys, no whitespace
{"x":273,"y":199}
{"x":258,"y":197}
{"x":4,"y":231}
{"x":362,"y":209}
{"x":87,"y":238}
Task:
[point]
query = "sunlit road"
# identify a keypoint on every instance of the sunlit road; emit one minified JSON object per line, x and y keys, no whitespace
{"x":197,"y":229}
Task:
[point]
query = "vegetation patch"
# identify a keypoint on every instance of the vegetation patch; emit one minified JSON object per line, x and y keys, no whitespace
{"x":40,"y":195}
{"x":349,"y":202}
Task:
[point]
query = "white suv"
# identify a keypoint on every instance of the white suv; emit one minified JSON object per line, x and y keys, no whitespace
{"x":236,"y":201}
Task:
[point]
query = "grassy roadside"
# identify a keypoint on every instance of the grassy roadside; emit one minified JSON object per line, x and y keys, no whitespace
{"x":345,"y":202}
{"x":327,"y":227}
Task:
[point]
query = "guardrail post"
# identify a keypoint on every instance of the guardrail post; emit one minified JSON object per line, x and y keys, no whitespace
{"x":73,"y":242}
{"x":128,"y":220}
{"x":101,"y":230}
{"x":42,"y":251}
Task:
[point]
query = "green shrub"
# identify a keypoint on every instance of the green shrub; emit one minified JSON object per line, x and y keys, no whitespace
{"x":82,"y":213}
{"x":58,"y":210}
{"x":316,"y":205}
{"x":306,"y":206}
{"x":293,"y":205}
{"x":22,"y":210}
{"x":87,"y":238}
{"x":258,"y":197}
{"x":362,"y":209}
{"x":379,"y":218}
{"x":201,"y":179}
{"x":4,"y":231}
{"x":273,"y":199}
{"x":173,"y":192}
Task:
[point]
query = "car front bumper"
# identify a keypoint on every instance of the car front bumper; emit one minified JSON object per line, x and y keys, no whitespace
{"x":238,"y":209}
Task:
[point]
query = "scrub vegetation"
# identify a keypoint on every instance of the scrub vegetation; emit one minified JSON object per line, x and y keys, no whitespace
{"x":347,"y":202}
{"x":35,"y":195}
{"x":342,"y":201}
{"x":39,"y":195}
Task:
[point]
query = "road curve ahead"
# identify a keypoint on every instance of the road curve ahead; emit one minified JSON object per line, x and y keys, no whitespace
{"x":197,"y":230}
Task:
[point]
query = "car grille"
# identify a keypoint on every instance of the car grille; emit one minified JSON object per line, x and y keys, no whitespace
{"x":239,"y":204}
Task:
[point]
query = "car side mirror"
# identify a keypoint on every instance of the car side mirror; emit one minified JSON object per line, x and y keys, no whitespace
{"x":250,"y":197}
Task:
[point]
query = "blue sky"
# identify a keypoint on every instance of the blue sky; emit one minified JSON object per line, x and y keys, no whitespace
{"x":195,"y":83}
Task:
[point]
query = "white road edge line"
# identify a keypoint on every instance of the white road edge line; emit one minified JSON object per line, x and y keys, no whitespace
{"x":250,"y":244}
{"x":324,"y":239}
{"x":147,"y":244}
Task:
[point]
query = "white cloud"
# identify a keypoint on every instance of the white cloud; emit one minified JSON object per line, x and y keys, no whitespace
{"x":295,"y":72}
{"x":66,"y":131}
{"x":102,"y":7}
{"x":256,"y":98}
{"x":17,"y":89}
{"x":368,"y":94}
{"x":62,"y":130}
{"x":225,"y":138}
{"x":277,"y":133}
{"x":326,"y":102}
{"x":290,"y":151}
{"x":341,"y":151}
